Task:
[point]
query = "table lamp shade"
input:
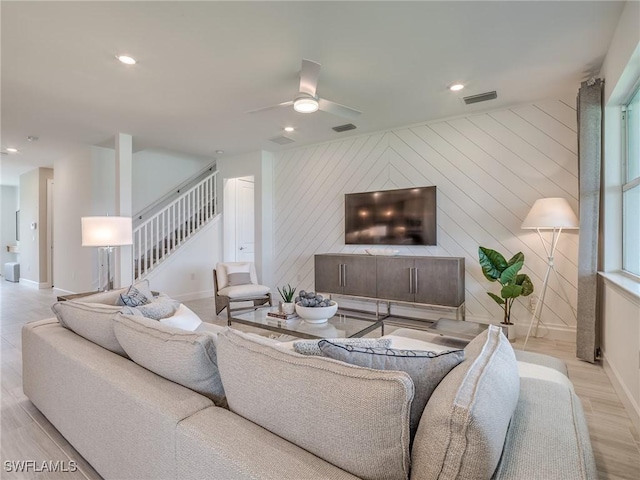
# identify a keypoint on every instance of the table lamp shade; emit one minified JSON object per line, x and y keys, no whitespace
{"x":106,"y":231}
{"x":549,"y":213}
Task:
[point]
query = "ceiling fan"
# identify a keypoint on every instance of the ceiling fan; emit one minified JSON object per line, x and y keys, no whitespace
{"x":307,"y":101}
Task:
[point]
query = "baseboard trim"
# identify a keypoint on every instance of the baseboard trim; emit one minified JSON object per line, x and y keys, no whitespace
{"x":32,"y":284}
{"x":187,"y":297}
{"x":626,"y":398}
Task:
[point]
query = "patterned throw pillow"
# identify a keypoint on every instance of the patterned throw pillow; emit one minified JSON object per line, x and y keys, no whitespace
{"x":310,"y":347}
{"x":157,"y":310}
{"x":426,"y":369}
{"x":133,"y":298}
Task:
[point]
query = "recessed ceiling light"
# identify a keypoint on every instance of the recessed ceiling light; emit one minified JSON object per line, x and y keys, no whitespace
{"x":12,"y":150}
{"x":289,"y":129}
{"x":126,"y":59}
{"x":456,"y":87}
{"x":219,"y":152}
{"x":32,"y":138}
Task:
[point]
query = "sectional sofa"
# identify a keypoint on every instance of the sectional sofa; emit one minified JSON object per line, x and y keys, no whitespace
{"x":220,"y":404}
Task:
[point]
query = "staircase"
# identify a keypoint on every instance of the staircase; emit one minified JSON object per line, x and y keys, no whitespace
{"x":170,"y":227}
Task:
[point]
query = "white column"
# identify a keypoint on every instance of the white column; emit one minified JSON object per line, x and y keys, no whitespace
{"x":124,"y":194}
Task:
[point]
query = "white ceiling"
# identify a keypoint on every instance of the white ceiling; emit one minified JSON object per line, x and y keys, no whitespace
{"x":203,"y":65}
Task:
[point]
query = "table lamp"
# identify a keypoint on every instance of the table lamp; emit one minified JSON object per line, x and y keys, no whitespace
{"x":553,"y":214}
{"x":106,"y":233}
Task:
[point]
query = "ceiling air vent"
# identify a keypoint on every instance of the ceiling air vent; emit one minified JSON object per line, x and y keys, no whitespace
{"x":482,"y":97}
{"x":281,"y":140}
{"x":344,"y":128}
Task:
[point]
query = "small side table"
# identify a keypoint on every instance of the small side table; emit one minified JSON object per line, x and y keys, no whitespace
{"x":75,"y":296}
{"x":458,"y":329}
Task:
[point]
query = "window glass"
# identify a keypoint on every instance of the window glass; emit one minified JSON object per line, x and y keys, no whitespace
{"x":631,"y":199}
{"x":631,"y":188}
{"x":633,"y":137}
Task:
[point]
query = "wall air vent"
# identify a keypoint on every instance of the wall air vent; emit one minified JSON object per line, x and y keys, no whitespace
{"x":281,"y":140}
{"x":482,"y":97}
{"x":344,"y":128}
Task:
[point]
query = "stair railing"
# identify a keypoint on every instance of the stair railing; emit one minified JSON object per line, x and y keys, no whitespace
{"x":169,"y":228}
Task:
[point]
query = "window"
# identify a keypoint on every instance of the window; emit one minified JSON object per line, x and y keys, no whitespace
{"x":631,"y":187}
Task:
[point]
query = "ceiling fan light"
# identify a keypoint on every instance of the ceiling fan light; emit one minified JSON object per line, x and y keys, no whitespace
{"x":305,"y":105}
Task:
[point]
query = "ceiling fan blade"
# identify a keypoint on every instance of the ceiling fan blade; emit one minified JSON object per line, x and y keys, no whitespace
{"x":309,"y":77}
{"x":337,"y":109}
{"x":283,"y":104}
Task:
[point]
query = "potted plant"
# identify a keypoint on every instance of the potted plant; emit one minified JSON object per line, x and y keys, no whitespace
{"x":287,"y":293}
{"x":497,"y":269}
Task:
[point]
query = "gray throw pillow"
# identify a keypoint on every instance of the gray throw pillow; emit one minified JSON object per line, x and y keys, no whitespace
{"x":426,"y":369}
{"x":183,"y":357}
{"x":240,"y":278}
{"x":310,"y":347}
{"x":157,"y":310}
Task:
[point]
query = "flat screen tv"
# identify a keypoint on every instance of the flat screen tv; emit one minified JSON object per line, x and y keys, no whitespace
{"x":391,"y":217}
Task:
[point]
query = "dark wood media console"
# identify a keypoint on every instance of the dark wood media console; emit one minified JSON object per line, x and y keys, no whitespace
{"x":424,"y":281}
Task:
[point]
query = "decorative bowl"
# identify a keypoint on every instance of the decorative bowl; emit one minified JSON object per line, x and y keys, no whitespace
{"x":316,"y":314}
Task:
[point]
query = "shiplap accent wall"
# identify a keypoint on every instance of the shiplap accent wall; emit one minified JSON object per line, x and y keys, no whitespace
{"x":488,"y":168}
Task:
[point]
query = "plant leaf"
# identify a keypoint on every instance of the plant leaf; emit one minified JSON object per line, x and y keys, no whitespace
{"x":509,"y":274}
{"x":497,"y":299}
{"x":527,"y":285}
{"x":492,"y":263}
{"x":511,"y":291}
{"x":518,"y":257}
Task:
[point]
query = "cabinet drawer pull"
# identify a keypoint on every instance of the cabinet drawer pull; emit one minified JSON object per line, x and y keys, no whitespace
{"x":411,"y":280}
{"x":340,"y":275}
{"x":344,"y":274}
{"x":415,"y":280}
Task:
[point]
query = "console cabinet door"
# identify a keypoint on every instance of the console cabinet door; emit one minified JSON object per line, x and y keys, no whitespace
{"x":327,"y":273}
{"x":440,"y":281}
{"x":394,"y":278}
{"x":359,"y":275}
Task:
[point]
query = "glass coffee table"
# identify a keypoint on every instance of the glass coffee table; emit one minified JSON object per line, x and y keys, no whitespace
{"x":344,"y":324}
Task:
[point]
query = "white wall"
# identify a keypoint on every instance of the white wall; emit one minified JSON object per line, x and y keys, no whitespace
{"x":75,"y":267}
{"x":33,"y":242}
{"x":157,"y":172}
{"x":9,"y":206}
{"x":188,"y":273}
{"x":621,"y":294}
{"x":489,"y":170}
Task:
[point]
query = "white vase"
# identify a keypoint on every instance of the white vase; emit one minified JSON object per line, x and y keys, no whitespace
{"x":509,"y":331}
{"x":288,"y":307}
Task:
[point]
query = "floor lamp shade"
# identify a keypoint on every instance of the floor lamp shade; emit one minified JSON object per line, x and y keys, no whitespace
{"x":106,"y":231}
{"x":549,"y":213}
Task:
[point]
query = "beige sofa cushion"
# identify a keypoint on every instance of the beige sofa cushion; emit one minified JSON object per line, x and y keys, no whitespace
{"x":93,"y":321}
{"x":353,"y":417}
{"x":186,"y":358}
{"x":464,"y":425}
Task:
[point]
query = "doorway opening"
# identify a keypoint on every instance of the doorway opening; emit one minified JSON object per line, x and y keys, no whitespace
{"x":239,"y":219}
{"x":49,"y":253}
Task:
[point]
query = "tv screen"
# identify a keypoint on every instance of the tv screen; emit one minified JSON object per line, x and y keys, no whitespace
{"x":391,"y":217}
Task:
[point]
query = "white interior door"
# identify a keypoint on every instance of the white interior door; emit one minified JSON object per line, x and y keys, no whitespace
{"x":245,"y":231}
{"x":50,"y":232}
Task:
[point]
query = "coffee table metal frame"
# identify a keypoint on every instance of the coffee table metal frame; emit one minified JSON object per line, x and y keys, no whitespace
{"x":287,"y":327}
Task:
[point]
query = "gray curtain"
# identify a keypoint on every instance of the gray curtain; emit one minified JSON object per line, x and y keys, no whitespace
{"x":589,"y":253}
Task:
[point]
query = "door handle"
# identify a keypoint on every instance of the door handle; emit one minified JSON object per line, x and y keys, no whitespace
{"x":344,"y":274}
{"x":340,"y":275}
{"x":415,"y":280}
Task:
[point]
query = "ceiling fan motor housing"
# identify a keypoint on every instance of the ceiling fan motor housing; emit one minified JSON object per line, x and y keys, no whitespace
{"x":305,"y":103}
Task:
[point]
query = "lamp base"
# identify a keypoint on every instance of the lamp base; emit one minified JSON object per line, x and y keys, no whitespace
{"x":105,"y":269}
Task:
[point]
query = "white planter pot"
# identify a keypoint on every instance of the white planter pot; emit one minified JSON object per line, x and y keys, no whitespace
{"x":509,"y":331}
{"x":288,"y":307}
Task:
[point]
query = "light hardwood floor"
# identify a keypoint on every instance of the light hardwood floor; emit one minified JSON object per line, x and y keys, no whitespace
{"x":25,"y":434}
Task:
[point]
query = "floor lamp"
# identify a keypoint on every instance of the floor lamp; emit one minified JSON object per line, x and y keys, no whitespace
{"x":106,"y":233}
{"x":553,"y":214}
